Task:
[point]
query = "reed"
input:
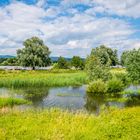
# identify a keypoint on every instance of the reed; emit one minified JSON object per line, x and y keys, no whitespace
{"x":41,"y":78}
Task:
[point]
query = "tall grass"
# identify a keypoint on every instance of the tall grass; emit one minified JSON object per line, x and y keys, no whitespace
{"x":41,"y":78}
{"x":59,"y":125}
{"x":11,"y":102}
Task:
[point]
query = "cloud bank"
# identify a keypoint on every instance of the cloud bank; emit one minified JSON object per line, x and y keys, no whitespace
{"x":70,"y":28}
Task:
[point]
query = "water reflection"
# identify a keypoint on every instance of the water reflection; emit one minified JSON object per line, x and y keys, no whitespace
{"x":133,"y":100}
{"x":35,"y":95}
{"x":71,"y":98}
{"x":93,"y":104}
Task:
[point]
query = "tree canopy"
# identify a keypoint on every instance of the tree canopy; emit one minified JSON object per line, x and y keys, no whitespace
{"x":132,"y":64}
{"x":98,"y":63}
{"x":77,"y":62}
{"x":124,"y":57}
{"x":35,"y":53}
{"x":62,"y":63}
{"x":106,"y":55}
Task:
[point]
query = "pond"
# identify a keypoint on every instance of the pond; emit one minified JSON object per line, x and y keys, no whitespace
{"x":70,"y":98}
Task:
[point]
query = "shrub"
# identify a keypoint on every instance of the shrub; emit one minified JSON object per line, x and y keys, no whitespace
{"x":124,"y":78}
{"x":97,"y":87}
{"x":115,"y":85}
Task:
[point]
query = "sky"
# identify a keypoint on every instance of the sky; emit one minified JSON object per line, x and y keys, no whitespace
{"x":70,"y":27}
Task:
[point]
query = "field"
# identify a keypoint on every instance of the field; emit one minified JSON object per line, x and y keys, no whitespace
{"x":57,"y":125}
{"x":18,"y":79}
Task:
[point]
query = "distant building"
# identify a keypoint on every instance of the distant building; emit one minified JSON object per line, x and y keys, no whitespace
{"x":24,"y":68}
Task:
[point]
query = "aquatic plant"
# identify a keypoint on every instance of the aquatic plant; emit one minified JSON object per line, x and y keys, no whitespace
{"x":11,"y":101}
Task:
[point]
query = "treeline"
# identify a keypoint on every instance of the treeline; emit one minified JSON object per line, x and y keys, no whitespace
{"x":36,"y":53}
{"x":75,"y":62}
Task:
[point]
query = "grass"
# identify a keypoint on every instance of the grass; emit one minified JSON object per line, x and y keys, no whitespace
{"x":121,"y":100}
{"x":131,"y":92}
{"x":62,"y":125}
{"x":11,"y":102}
{"x":68,"y":95}
{"x":41,"y":78}
{"x":118,"y":70}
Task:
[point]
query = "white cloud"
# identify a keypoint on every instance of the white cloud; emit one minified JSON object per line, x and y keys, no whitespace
{"x":74,"y":34}
{"x":129,"y":8}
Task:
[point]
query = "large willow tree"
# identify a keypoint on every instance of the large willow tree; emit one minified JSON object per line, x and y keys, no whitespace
{"x":35,"y":53}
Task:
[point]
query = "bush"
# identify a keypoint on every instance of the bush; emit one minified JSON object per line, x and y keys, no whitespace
{"x":115,"y":85}
{"x":97,"y":87}
{"x":124,"y":78}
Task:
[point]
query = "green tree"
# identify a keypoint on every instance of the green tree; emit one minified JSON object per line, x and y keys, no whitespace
{"x":106,"y":55}
{"x":124,"y":57}
{"x":10,"y":62}
{"x":35,"y":53}
{"x":2,"y":60}
{"x":96,"y":70}
{"x":62,"y":63}
{"x":132,"y":64}
{"x":77,"y":62}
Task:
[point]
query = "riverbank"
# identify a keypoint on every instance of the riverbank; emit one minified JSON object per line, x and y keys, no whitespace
{"x":56,"y":124}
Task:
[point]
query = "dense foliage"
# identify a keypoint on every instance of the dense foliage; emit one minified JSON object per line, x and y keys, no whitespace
{"x":115,"y":85}
{"x":106,"y":55}
{"x":97,"y":87}
{"x":77,"y":62}
{"x":124,"y":78}
{"x":10,"y":62}
{"x":2,"y":60}
{"x":34,"y":54}
{"x":124,"y":57}
{"x":96,"y":70}
{"x":62,"y":63}
{"x":132,"y":63}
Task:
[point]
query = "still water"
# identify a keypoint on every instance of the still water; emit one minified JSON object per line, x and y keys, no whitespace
{"x":70,"y":98}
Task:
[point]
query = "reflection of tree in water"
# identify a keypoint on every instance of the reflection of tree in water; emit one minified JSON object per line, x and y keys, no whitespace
{"x":93,"y":104}
{"x":133,"y":100}
{"x":35,"y":95}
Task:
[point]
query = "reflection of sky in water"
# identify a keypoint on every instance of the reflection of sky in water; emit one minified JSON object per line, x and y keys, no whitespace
{"x":72,"y":98}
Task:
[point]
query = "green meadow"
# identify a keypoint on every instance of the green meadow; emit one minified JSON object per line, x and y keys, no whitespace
{"x":55,"y":124}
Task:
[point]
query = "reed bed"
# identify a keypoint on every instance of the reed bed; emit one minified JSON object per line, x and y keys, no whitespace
{"x":41,"y":78}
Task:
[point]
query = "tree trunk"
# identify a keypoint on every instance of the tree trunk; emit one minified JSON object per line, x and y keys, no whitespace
{"x":33,"y":68}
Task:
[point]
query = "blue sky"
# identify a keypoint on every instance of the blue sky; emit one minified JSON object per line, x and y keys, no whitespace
{"x":70,"y":27}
